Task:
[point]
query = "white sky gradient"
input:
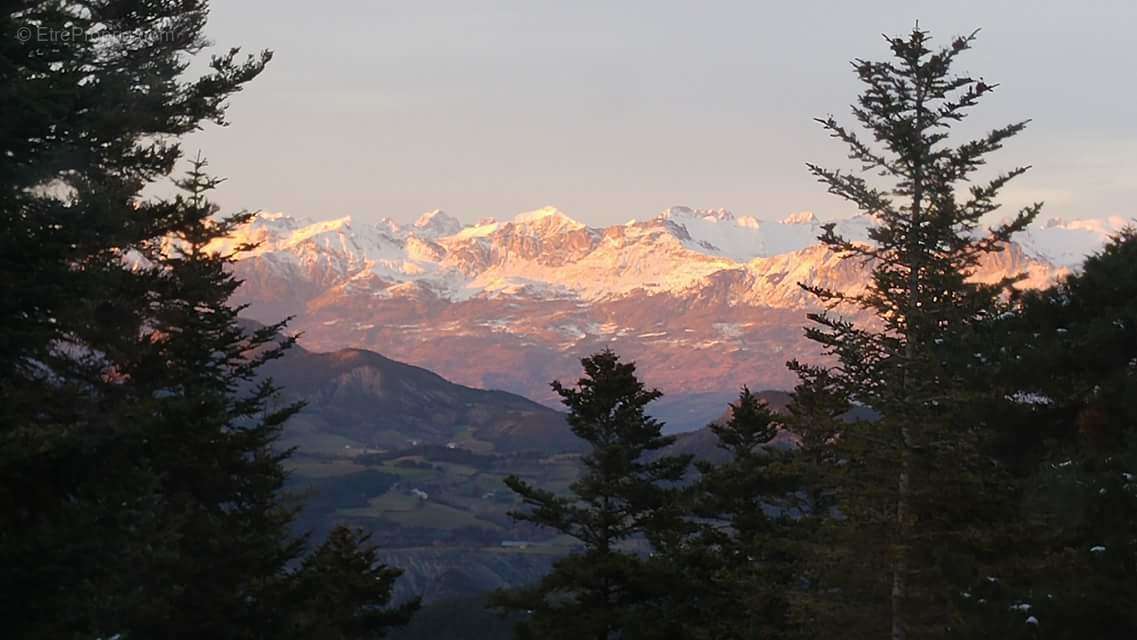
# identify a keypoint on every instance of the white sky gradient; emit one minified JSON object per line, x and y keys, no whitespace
{"x":611,"y":110}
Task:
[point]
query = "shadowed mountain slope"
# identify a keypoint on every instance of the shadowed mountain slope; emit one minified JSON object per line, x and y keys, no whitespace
{"x":363,"y":399}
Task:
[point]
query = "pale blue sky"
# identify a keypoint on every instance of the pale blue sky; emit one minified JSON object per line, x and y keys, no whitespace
{"x":611,"y":110}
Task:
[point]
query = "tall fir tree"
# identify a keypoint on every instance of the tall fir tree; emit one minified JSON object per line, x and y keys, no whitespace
{"x":914,"y":485}
{"x":140,"y":491}
{"x":210,"y":435}
{"x":622,"y":499}
{"x":737,"y":566}
{"x":91,"y":119}
{"x":221,"y":477}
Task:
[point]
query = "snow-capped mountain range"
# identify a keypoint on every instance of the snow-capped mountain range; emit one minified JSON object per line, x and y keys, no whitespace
{"x":703,"y":299}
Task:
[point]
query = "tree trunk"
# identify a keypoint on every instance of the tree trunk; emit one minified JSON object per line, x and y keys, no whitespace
{"x":903,"y":490}
{"x":900,"y":561}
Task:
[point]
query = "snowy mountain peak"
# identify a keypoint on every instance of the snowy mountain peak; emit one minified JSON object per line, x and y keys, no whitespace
{"x":1102,"y":226}
{"x":547,"y":217}
{"x":680,"y":212}
{"x":484,"y":227}
{"x":272,"y":216}
{"x":436,"y":223}
{"x":390,"y":227}
{"x":1068,"y":242}
{"x":703,"y":299}
{"x":336,"y":225}
{"x":545,"y":253}
{"x":800,"y":217}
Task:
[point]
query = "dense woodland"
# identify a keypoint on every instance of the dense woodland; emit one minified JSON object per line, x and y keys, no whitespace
{"x":964,"y":461}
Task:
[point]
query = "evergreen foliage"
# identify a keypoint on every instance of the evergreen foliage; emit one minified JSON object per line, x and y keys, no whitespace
{"x":457,"y":619}
{"x":140,"y":493}
{"x":90,"y":121}
{"x":210,"y":435}
{"x":737,"y":568}
{"x":992,"y":494}
{"x":621,"y":501}
{"x":342,"y":590}
{"x":1070,"y":366}
{"x":915,"y":488}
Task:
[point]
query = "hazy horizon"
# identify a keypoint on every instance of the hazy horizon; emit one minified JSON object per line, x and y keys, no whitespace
{"x":613,"y":112}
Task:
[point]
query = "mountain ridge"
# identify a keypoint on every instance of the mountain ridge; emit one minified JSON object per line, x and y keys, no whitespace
{"x":546,"y":249}
{"x":363,"y":397}
{"x":702,"y":299}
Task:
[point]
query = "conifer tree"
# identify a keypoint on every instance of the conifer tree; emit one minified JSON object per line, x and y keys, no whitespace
{"x":737,"y":567}
{"x":212,"y":430}
{"x":89,"y":120}
{"x":622,"y":499}
{"x":1070,"y":368}
{"x":342,"y":590}
{"x":913,"y":484}
{"x":139,"y":487}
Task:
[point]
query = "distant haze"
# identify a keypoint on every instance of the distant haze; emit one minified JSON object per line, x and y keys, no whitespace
{"x":612,"y":110}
